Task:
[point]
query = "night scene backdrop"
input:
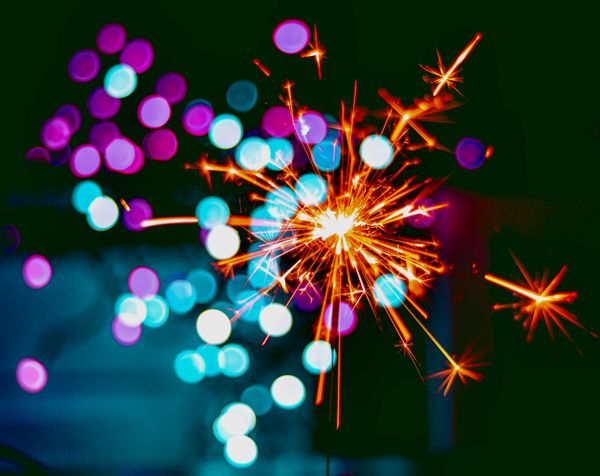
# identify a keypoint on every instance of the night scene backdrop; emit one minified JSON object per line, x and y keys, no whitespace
{"x":108,"y":408}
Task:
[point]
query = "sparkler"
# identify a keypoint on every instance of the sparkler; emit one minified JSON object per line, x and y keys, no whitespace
{"x":352,"y":240}
{"x":539,"y":302}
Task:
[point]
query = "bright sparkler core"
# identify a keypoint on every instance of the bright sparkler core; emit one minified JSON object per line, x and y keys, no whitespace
{"x":338,"y":225}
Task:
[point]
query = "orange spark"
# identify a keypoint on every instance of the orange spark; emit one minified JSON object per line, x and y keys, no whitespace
{"x":461,"y":368}
{"x":451,"y":76}
{"x":168,"y":221}
{"x":125,"y":205}
{"x":539,"y":302}
{"x":316,"y":51}
{"x":262,"y":67}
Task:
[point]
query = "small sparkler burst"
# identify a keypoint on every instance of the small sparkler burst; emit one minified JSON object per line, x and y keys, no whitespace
{"x":539,"y":302}
{"x":340,"y":232}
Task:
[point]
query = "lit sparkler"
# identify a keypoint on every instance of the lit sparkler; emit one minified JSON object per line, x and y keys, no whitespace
{"x":539,"y":302}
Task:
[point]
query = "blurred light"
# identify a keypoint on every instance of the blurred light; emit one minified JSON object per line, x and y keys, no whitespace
{"x":258,"y":398}
{"x":291,"y":36}
{"x":225,"y":131}
{"x":212,"y":211}
{"x":111,"y":38}
{"x":139,"y":210}
{"x":389,"y":290}
{"x":103,"y":133}
{"x":281,"y":203}
{"x":422,"y":220}
{"x":119,"y":154}
{"x":102,"y":106}
{"x":154,"y":111}
{"x":307,"y":297}
{"x":311,"y":189}
{"x":250,"y":303}
{"x":138,"y":54}
{"x":197,"y":118}
{"x":120,"y":81}
{"x":31,"y":375}
{"x":282,"y":153}
{"x":85,"y":161}
{"x":189,"y":366}
{"x":222,"y":242}
{"x":36,"y":271}
{"x":102,"y":214}
{"x":318,"y":356}
{"x":38,"y":154}
{"x":263,"y":271}
{"x":160,"y":144}
{"x":210,"y":354}
{"x":376,"y":151}
{"x":327,"y":155}
{"x":253,"y":153}
{"x":235,"y":285}
{"x":243,"y":421}
{"x":470,"y":153}
{"x":241,"y":451}
{"x":143,"y":282}
{"x":264,"y":225}
{"x":346,"y":321}
{"x":60,"y":157}
{"x":275,"y":320}
{"x":157,"y":311}
{"x":310,"y":127}
{"x":241,"y":96}
{"x":233,"y":360}
{"x":213,"y":326}
{"x":84,"y":66}
{"x":55,"y":133}
{"x":277,"y":121}
{"x":205,"y":284}
{"x":84,"y":193}
{"x":181,"y":296}
{"x":124,"y":334}
{"x":171,"y":86}
{"x":288,"y":392}
{"x":131,"y":310}
{"x":71,"y":114}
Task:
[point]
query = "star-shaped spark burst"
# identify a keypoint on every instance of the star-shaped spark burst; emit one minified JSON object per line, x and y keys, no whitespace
{"x":449,"y":77}
{"x":539,"y":302}
{"x":316,"y":51}
{"x":463,"y":368}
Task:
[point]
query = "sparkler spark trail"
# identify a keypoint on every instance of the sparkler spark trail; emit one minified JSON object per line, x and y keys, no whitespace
{"x":451,"y":76}
{"x":539,"y":302}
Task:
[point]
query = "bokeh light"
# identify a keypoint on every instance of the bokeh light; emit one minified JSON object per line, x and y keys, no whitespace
{"x":143,"y":282}
{"x":36,"y":271}
{"x":422,"y":220}
{"x":157,"y":311}
{"x":181,"y":296}
{"x":119,"y":154}
{"x":124,"y":334}
{"x":189,"y":366}
{"x":277,"y":121}
{"x":347,"y":318}
{"x":241,"y":96}
{"x":311,"y":189}
{"x":103,"y":133}
{"x":84,"y":193}
{"x":275,"y":320}
{"x":308,"y":297}
{"x":470,"y":153}
{"x":291,"y":36}
{"x":210,"y":354}
{"x":241,"y":451}
{"x":310,"y":127}
{"x":288,"y":392}
{"x":139,"y":210}
{"x":263,"y":225}
{"x":160,"y":144}
{"x":376,"y":151}
{"x":85,"y":161}
{"x":120,"y":81}
{"x":225,"y":131}
{"x":71,"y":114}
{"x":253,"y":153}
{"x":389,"y":290}
{"x":102,"y":106}
{"x":55,"y":133}
{"x":222,"y":242}
{"x":154,"y":111}
{"x":205,"y":284}
{"x":131,"y":310}
{"x":138,"y":54}
{"x":213,"y":326}
{"x":233,"y":360}
{"x":282,"y":153}
{"x":171,"y":86}
{"x":111,"y":38}
{"x":212,"y":211}
{"x":31,"y":375}
{"x":282,"y":203}
{"x":318,"y":357}
{"x":84,"y":66}
{"x":250,"y":303}
{"x":327,"y":155}
{"x":197,"y":118}
{"x":258,"y":398}
{"x":103,"y":213}
{"x":263,"y":271}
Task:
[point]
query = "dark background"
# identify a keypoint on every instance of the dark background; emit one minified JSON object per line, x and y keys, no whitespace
{"x":530,"y":91}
